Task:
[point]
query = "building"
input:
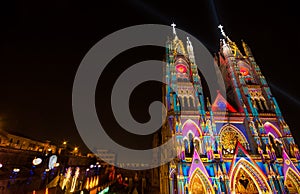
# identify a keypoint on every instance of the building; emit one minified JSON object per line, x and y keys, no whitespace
{"x":24,"y":143}
{"x":238,"y":143}
{"x":25,"y":163}
{"x":106,"y":156}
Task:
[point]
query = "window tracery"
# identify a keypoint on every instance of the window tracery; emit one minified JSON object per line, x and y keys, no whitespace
{"x":228,"y":139}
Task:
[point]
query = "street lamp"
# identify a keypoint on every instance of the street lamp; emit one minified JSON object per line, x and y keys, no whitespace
{"x":16,"y":170}
{"x":64,"y":144}
{"x":75,"y":151}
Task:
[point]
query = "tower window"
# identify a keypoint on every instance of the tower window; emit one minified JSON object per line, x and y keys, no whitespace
{"x":192,"y":103}
{"x":186,"y":105}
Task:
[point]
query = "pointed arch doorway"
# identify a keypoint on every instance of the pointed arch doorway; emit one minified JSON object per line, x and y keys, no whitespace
{"x":247,"y":179}
{"x":244,"y":184}
{"x":200,"y":184}
{"x":292,"y":182}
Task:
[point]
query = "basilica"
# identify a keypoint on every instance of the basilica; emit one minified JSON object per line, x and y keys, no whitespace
{"x":237,"y":142}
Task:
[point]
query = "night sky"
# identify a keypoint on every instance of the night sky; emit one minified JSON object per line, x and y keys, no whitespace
{"x":43,"y":43}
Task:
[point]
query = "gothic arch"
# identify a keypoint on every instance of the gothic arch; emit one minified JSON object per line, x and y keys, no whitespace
{"x":229,"y":135}
{"x":292,"y":181}
{"x":273,"y":136}
{"x":192,"y":101}
{"x":197,"y":145}
{"x":274,"y":130}
{"x":254,"y":180}
{"x":186,"y":145}
{"x":181,"y":100}
{"x":179,"y":47}
{"x":276,"y":144}
{"x":199,"y":183}
{"x":185,"y":102}
{"x":264,"y":103}
{"x":190,"y":122}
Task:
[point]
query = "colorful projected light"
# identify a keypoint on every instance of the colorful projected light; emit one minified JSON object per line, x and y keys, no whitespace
{"x":181,"y":68}
{"x":240,"y":133}
{"x":244,"y":71}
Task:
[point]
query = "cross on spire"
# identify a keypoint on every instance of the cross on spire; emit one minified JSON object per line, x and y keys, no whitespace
{"x":173,"y":26}
{"x":222,"y":31}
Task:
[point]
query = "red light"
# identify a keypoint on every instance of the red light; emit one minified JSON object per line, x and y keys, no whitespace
{"x":181,"y":68}
{"x":244,"y":71}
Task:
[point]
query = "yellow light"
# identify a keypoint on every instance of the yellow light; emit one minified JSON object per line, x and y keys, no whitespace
{"x":87,"y":184}
{"x":64,"y":142}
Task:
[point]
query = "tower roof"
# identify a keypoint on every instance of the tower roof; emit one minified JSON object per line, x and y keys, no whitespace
{"x":221,"y":104}
{"x":197,"y":163}
{"x":178,"y":45}
{"x":231,"y":44}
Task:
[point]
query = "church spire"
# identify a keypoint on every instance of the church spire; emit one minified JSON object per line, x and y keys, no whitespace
{"x":227,"y":42}
{"x":190,"y":50}
{"x":177,"y":43}
{"x":246,"y":49}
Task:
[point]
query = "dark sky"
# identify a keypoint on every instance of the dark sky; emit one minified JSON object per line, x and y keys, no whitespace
{"x":43,"y":43}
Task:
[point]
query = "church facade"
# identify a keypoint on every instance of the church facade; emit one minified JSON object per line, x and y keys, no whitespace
{"x":238,"y":143}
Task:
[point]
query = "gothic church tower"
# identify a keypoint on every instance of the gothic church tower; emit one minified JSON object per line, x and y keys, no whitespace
{"x":251,"y":150}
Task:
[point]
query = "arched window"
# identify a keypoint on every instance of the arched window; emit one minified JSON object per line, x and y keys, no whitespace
{"x":257,"y":104}
{"x":276,"y":146}
{"x":197,"y":145}
{"x":186,"y":105}
{"x":229,"y":135}
{"x":192,"y":103}
{"x":179,"y":102}
{"x":186,"y":147}
{"x":191,"y":142}
{"x":189,"y":145}
{"x":264,"y":104}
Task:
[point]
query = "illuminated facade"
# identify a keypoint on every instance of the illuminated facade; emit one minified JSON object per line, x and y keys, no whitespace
{"x":250,"y":150}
